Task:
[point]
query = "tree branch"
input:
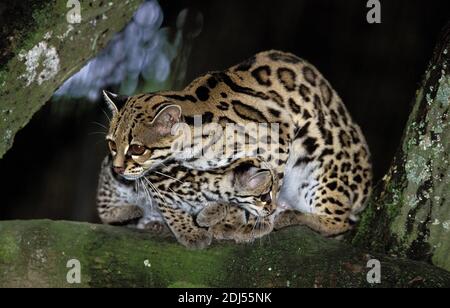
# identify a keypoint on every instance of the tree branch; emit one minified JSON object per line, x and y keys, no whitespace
{"x":43,"y":49}
{"x":35,"y":254}
{"x":409,"y":213}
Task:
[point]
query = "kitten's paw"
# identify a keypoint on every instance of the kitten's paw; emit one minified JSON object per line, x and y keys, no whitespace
{"x":223,"y":231}
{"x":248,"y":233}
{"x":157,"y":227}
{"x":151,"y":225}
{"x":244,"y":239}
{"x":200,"y":239}
{"x":203,"y":220}
{"x":211,"y":215}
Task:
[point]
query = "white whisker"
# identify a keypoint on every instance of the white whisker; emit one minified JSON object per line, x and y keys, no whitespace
{"x":153,"y":187}
{"x":164,"y":164}
{"x":252,"y":232}
{"x":97,"y":133}
{"x":181,"y":196}
{"x":145,"y":191}
{"x":100,"y":124}
{"x":170,"y":177}
{"x":106,"y":114}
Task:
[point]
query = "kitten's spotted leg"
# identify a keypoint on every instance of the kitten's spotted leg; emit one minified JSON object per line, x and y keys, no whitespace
{"x":120,"y":214}
{"x":184,"y":228}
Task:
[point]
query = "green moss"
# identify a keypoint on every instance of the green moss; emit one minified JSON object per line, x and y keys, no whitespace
{"x":196,"y":266}
{"x":3,"y":78}
{"x":379,"y":215}
{"x":148,"y":263}
{"x":27,"y":22}
{"x":396,"y":200}
{"x":114,"y":257}
{"x":184,"y":284}
{"x":441,"y":249}
{"x":9,"y":248}
{"x":43,"y":19}
{"x":21,"y":97}
{"x":364,"y":225}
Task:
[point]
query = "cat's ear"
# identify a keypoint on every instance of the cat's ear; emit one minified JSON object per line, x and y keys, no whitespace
{"x":255,"y":182}
{"x":166,"y":118}
{"x":114,"y":101}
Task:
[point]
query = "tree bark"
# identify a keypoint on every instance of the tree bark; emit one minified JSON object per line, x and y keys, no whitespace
{"x":43,"y":49}
{"x":36,"y":253}
{"x":409,"y":213}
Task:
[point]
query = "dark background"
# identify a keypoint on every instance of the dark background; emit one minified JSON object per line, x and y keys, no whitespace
{"x":51,"y":172}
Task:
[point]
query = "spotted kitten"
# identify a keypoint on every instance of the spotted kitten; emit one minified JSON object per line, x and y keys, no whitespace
{"x":241,"y":193}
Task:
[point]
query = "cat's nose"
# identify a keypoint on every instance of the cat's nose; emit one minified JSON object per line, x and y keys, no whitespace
{"x":119,"y":170}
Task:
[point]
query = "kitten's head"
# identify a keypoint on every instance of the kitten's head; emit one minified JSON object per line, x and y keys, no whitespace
{"x":140,"y":133}
{"x":255,"y":189}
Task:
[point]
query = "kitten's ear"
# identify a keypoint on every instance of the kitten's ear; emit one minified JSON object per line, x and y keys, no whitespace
{"x":255,"y":183}
{"x":115,"y":102}
{"x":166,"y":118}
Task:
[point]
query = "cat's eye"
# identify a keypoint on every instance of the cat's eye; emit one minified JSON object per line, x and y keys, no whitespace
{"x":137,"y":149}
{"x":112,"y":146}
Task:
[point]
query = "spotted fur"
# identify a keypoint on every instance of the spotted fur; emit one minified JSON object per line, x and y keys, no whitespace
{"x":175,"y":195}
{"x":323,"y":162}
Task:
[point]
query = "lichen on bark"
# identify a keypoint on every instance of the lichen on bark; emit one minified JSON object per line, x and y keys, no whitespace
{"x":45,"y":50}
{"x":409,"y":213}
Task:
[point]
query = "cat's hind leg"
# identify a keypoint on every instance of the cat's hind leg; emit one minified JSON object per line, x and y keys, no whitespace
{"x":331,"y":215}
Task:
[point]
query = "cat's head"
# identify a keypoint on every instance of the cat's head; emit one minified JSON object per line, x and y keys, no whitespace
{"x":140,"y":135}
{"x":254,"y":189}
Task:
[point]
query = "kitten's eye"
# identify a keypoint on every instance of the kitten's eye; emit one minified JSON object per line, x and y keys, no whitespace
{"x":112,"y":146}
{"x":136,"y":149}
{"x":266,"y":197}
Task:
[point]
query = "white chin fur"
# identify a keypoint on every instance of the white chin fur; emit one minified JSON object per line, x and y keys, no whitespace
{"x":130,"y":177}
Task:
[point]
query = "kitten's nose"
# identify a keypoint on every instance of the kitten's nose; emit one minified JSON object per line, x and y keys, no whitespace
{"x":272,"y":211}
{"x":119,"y":170}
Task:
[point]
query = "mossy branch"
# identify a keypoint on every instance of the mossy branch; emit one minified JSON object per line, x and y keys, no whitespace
{"x":42,"y":50}
{"x":35,"y":254}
